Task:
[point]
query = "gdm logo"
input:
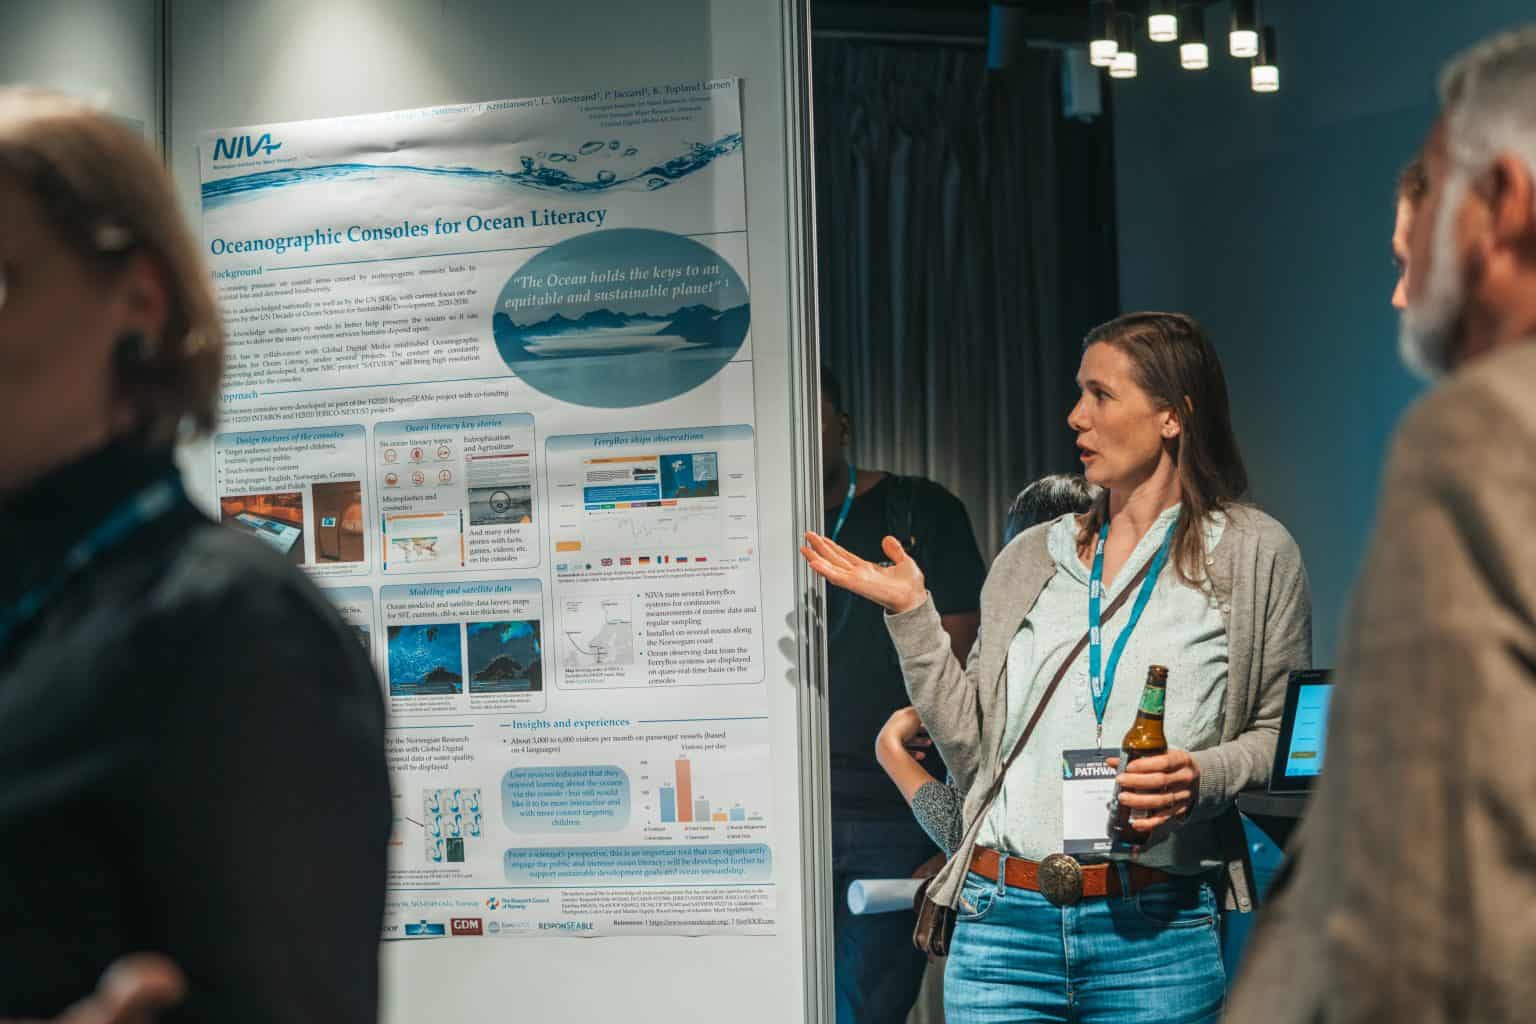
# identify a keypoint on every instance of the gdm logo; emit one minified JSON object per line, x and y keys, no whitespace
{"x":238,"y":146}
{"x":466,"y":926}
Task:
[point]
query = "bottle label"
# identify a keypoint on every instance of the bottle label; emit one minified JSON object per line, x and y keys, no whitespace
{"x":1152,"y":700}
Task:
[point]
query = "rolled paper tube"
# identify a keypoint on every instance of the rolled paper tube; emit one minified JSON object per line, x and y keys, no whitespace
{"x":882,"y":895}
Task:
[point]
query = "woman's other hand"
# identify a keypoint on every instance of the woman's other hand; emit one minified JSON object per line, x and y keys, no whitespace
{"x":897,"y":587}
{"x":898,"y":749}
{"x":903,"y":732}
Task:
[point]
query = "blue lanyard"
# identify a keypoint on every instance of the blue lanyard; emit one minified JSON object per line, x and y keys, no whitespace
{"x":853,"y":486}
{"x":846,"y":598}
{"x":138,"y":511}
{"x":1102,"y":683}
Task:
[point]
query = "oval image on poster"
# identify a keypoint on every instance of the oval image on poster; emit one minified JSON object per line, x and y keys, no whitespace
{"x":621,"y":318}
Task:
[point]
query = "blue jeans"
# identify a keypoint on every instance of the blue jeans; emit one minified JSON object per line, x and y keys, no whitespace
{"x":878,"y":971}
{"x":1152,"y":958}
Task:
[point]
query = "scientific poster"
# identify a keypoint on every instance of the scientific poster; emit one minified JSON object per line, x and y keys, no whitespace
{"x":490,"y":383}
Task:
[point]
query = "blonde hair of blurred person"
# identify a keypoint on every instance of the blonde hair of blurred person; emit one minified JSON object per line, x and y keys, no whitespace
{"x":109,"y":326}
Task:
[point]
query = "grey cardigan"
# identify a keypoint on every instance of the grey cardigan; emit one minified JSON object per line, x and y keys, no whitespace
{"x":1257,"y":573}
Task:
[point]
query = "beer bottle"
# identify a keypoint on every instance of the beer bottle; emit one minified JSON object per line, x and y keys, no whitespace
{"x":1145,"y":739}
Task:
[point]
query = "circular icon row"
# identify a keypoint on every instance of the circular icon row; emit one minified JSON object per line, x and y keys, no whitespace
{"x":418,"y":478}
{"x":444,"y":452}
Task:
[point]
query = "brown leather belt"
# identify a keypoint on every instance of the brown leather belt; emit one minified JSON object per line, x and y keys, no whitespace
{"x":1061,"y":879}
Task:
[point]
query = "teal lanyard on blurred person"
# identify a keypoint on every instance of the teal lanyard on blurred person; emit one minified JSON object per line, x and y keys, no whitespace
{"x":1101,"y":681}
{"x":842,"y":517}
{"x":132,"y":515}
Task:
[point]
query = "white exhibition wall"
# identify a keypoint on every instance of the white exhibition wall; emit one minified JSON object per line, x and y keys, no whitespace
{"x":105,"y":51}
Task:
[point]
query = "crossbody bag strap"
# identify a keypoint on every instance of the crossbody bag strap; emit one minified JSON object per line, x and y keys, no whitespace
{"x":1050,"y":691}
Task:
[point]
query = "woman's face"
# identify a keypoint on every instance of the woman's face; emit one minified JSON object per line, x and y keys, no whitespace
{"x":60,"y":320}
{"x":1121,"y":431}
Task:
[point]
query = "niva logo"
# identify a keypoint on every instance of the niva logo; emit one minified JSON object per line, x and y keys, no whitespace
{"x":238,"y":146}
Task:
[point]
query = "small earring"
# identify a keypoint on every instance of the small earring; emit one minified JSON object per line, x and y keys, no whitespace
{"x":134,"y":347}
{"x":131,"y":358}
{"x":129,"y":353}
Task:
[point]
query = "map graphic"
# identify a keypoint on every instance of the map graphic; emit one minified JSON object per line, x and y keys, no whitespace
{"x":599,"y":631}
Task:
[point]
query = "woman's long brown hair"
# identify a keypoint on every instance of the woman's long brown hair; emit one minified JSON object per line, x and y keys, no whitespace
{"x":1176,"y":365}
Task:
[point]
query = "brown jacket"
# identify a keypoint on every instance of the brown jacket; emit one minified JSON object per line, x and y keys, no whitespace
{"x":1414,"y":897}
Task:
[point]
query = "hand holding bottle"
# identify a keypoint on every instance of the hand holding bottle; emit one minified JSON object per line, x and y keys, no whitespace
{"x":1158,"y":789}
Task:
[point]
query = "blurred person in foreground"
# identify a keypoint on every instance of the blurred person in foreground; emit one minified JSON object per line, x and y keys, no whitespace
{"x":1417,"y":869}
{"x":191,"y":741}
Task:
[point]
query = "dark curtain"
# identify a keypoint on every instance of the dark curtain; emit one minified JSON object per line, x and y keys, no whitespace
{"x":951,"y":290}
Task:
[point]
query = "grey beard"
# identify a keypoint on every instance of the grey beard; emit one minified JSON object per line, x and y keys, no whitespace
{"x":1424,"y":347}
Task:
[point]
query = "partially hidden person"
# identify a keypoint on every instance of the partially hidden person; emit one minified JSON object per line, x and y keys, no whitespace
{"x":878,"y":973}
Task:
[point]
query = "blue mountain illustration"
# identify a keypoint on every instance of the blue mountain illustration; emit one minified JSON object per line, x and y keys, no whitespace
{"x":605,"y":332}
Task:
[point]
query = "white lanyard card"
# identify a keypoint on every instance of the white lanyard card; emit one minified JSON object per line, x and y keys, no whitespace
{"x":1087,"y":786}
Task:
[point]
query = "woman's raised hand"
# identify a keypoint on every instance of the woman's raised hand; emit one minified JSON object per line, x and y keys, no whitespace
{"x":897,"y":587}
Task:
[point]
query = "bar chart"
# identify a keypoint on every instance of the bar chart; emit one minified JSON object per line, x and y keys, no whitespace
{"x":681,"y":803}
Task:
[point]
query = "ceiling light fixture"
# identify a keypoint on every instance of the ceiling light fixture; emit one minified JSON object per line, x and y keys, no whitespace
{"x":1244,"y":37}
{"x":1265,"y":73}
{"x":1102,"y":46}
{"x":1125,"y":62}
{"x":1162,"y":23}
{"x":1194,"y":54}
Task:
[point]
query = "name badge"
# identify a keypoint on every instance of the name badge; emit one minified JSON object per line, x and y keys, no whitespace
{"x":1087,"y":786}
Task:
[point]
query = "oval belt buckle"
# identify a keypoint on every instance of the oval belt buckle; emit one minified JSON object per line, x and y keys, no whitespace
{"x":1061,"y":880}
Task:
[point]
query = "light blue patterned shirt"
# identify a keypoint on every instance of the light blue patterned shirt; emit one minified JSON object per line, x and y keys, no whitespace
{"x":1181,"y":628}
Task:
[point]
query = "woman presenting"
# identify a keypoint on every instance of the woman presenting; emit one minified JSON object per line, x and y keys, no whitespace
{"x":1223,"y":604}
